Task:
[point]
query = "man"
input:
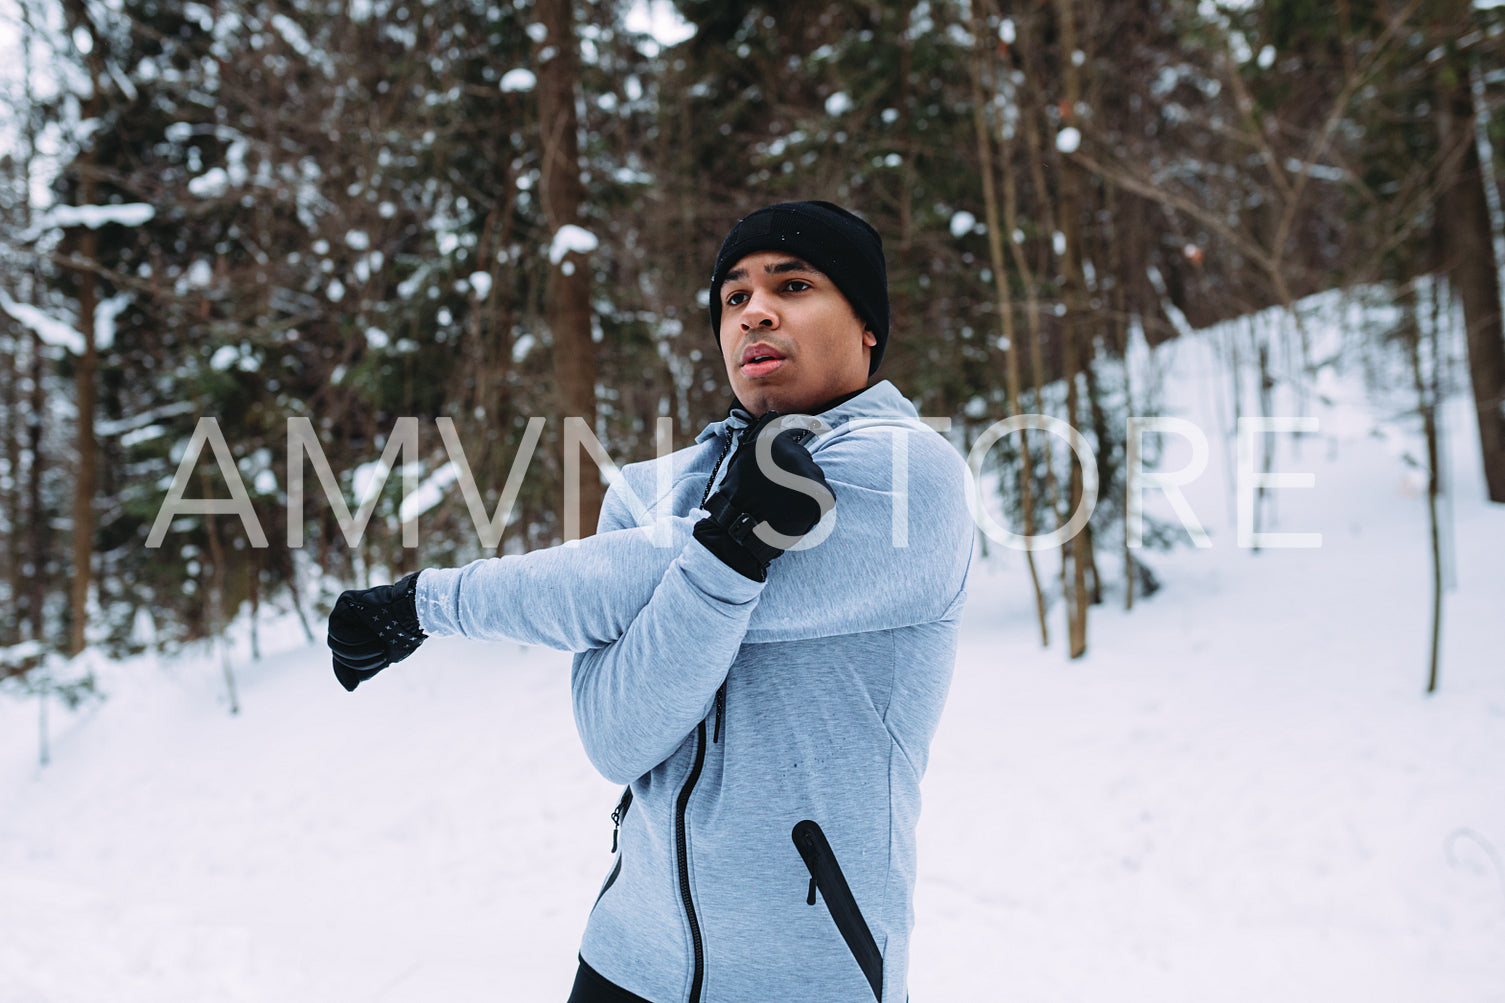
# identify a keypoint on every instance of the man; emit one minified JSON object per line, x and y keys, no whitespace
{"x":769,"y":701}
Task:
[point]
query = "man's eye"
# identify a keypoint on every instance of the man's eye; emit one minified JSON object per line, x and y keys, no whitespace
{"x":736,"y":299}
{"x":797,"y":285}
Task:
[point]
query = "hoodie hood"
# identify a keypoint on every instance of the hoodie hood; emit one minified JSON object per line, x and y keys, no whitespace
{"x":881,"y":400}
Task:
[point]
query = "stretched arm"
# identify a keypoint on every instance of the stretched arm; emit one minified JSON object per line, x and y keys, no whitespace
{"x":572,"y":597}
{"x":896,"y":555}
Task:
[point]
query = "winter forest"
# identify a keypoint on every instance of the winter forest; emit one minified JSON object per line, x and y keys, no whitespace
{"x":339,"y":261}
{"x":487,"y":213}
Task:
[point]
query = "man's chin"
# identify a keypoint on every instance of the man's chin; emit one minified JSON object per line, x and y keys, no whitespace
{"x":757,"y":406}
{"x":786,"y":406}
{"x":753,"y":398}
{"x":758,"y":399}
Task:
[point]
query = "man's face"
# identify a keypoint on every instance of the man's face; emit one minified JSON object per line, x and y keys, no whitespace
{"x":790,"y":339}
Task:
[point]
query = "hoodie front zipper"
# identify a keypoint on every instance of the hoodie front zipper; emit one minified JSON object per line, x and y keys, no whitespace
{"x":681,"y":836}
{"x":681,"y":845}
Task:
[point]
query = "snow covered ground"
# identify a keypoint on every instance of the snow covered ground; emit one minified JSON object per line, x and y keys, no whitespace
{"x":1240,"y":794}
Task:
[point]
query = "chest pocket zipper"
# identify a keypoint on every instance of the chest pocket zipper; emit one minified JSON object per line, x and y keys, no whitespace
{"x":825,"y":875}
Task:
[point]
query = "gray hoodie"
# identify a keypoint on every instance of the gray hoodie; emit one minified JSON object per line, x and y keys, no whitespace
{"x":772,"y":734}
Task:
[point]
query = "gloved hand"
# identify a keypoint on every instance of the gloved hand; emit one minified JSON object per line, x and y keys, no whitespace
{"x":748,"y":497}
{"x":369,"y":629}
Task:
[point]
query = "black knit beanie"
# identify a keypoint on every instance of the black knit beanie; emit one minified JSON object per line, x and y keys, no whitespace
{"x":830,"y":238}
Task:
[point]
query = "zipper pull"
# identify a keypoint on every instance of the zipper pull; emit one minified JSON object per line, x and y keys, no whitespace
{"x":810,"y":899}
{"x":617,"y":816}
{"x":720,"y":711}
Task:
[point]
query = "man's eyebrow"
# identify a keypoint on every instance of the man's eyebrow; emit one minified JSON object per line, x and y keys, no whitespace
{"x":739,"y":274}
{"x":792,"y":265}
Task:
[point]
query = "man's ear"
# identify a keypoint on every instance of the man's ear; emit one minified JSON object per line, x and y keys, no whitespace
{"x":869,"y":338}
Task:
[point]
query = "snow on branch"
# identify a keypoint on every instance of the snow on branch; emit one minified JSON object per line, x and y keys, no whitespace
{"x":51,"y":330}
{"x":519,"y":80}
{"x":571,"y":238}
{"x":292,"y":33}
{"x":104,"y":319}
{"x":429,"y":493}
{"x":144,"y":419}
{"x":1321,"y":172}
{"x":95,"y":216}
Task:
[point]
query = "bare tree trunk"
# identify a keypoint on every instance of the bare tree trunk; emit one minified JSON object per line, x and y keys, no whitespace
{"x":17,"y":175}
{"x":1426,"y":404}
{"x":44,"y":755}
{"x":1266,"y":445}
{"x":253,"y":579}
{"x":1467,"y":239}
{"x":1124,"y":233}
{"x":217,"y":618}
{"x":1103,"y":434}
{"x":30,"y":596}
{"x":903,"y":311}
{"x":1229,"y":431}
{"x":1077,"y":547}
{"x":290,"y":569}
{"x":982,"y":120}
{"x":1030,"y":119}
{"x":568,"y":305}
{"x":88,"y":365}
{"x":14,"y":514}
{"x":36,"y":518}
{"x":1070,"y":199}
{"x":83,"y":487}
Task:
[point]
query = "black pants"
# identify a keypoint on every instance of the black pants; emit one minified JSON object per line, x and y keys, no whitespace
{"x":592,"y":987}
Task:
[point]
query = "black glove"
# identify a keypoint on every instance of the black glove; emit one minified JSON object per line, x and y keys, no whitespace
{"x":748,"y":498}
{"x":369,"y":629}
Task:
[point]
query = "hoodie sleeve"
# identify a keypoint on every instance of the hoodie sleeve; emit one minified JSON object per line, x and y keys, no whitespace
{"x":571,"y":597}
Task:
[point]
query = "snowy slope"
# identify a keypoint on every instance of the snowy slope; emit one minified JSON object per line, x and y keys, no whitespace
{"x":1240,"y":794}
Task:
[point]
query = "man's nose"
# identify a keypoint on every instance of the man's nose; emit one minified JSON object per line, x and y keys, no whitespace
{"x":759,"y":312}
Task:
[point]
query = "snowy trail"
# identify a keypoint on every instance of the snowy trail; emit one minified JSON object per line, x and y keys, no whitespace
{"x":1240,"y":794}
{"x":314,"y":847}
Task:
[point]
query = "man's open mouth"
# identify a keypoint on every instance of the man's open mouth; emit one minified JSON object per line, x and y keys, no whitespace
{"x":760,"y":360}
